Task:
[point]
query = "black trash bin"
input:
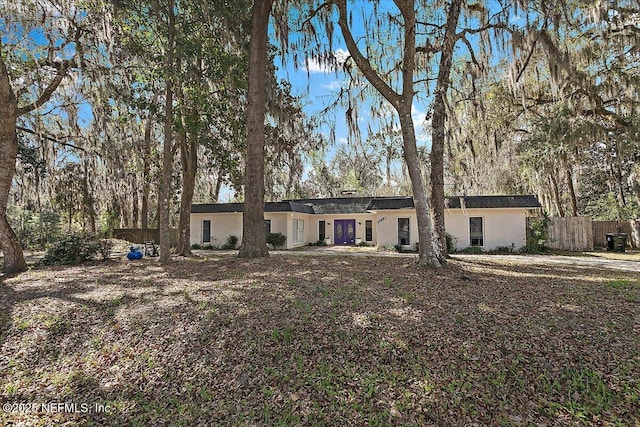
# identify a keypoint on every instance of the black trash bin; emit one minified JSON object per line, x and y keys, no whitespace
{"x":616,"y":242}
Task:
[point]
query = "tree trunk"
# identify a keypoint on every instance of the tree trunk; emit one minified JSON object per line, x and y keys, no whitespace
{"x":189,"y":161}
{"x":573,"y":201}
{"x":619,"y":181}
{"x":289,"y":181}
{"x":12,"y":250}
{"x":9,"y":112}
{"x":542,"y":196}
{"x":426,"y":251}
{"x":144,"y":207}
{"x":438,"y":130}
{"x":634,"y":225}
{"x":387,"y":168}
{"x":146,"y":153}
{"x":156,"y":222}
{"x":253,"y":234}
{"x":164,"y":195}
{"x":216,"y":194}
{"x":88,"y":199}
{"x":124,"y":209}
{"x":556,"y":195}
{"x":402,"y":104}
{"x":135,"y":203}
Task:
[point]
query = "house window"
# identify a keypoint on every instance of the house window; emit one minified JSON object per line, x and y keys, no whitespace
{"x":298,"y":231}
{"x":403,"y":232}
{"x":206,"y":231}
{"x":267,"y":227}
{"x":475,"y":231}
{"x":368,"y":231}
{"x":322,"y":233}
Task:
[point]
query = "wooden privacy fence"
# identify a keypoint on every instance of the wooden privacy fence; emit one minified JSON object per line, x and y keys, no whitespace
{"x":584,"y":234}
{"x":139,"y":235}
{"x":602,"y":228}
{"x":571,"y":234}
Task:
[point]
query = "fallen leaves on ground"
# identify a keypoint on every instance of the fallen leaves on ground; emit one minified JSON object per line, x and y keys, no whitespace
{"x":306,"y":340}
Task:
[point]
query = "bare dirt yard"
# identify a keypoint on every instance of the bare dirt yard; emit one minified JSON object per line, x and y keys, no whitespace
{"x":320,"y":340}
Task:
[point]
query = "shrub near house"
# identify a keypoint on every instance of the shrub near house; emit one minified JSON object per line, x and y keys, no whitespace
{"x":276,"y":240}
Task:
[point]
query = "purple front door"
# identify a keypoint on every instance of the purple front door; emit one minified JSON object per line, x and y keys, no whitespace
{"x":344,"y":231}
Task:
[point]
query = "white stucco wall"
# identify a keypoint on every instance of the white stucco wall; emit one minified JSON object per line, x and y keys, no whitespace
{"x":387,"y":227}
{"x":501,"y":227}
{"x":278,"y":221}
{"x":223,"y":225}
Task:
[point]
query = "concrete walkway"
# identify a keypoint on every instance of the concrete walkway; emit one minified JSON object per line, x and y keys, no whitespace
{"x":319,"y":251}
{"x":575,"y":261}
{"x":347,"y":250}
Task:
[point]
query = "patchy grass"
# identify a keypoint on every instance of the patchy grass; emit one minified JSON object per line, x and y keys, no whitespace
{"x":623,"y":283}
{"x":320,"y":340}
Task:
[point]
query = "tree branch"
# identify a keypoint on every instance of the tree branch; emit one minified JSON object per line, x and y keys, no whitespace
{"x":50,"y":138}
{"x":426,"y":80}
{"x":497,"y":25}
{"x":61,"y":67}
{"x":471,"y":52}
{"x":46,"y":94}
{"x":314,"y":14}
{"x":430,"y":24}
{"x":528,"y":59}
{"x":428,"y":48}
{"x":409,"y":59}
{"x":361,"y":61}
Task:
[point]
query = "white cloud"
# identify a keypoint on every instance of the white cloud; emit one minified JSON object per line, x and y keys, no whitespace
{"x":421,"y":126}
{"x":313,"y":66}
{"x":419,"y":117}
{"x":341,"y":56}
{"x":342,"y":141}
{"x":334,"y":85}
{"x":306,"y":171}
{"x":328,"y":65}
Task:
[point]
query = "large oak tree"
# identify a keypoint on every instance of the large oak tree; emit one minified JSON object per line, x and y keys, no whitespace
{"x":253,"y":231}
{"x":31,"y":71}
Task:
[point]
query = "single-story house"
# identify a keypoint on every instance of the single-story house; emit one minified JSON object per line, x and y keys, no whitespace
{"x":484,"y":221}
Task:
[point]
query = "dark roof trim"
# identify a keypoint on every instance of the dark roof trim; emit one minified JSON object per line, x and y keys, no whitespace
{"x":492,"y":202}
{"x":217,"y":208}
{"x":361,"y":205}
{"x":386,"y":203}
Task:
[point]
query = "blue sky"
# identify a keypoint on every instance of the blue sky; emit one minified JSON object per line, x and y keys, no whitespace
{"x":317,"y":85}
